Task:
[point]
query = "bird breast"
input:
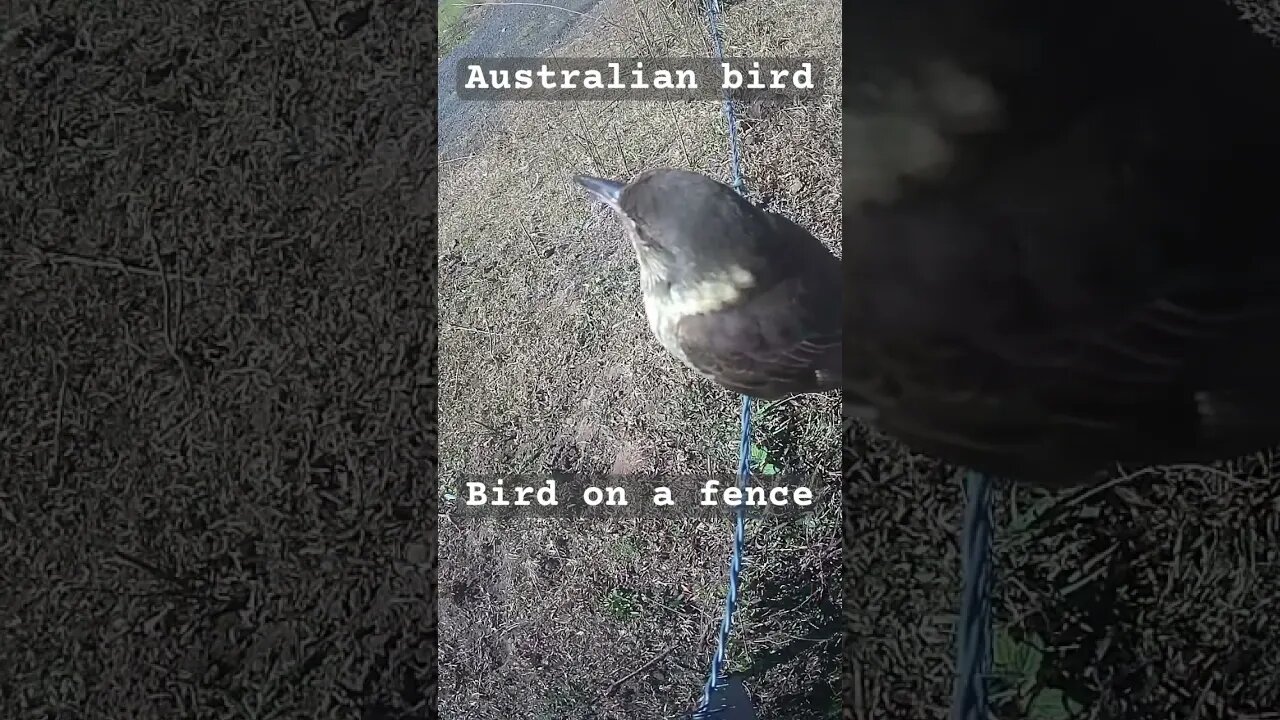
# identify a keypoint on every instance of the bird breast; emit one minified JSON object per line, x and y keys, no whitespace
{"x":661,"y":314}
{"x":666,"y":304}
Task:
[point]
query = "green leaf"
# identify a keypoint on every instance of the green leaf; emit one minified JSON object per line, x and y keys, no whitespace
{"x":760,"y":461}
{"x":1017,"y":661}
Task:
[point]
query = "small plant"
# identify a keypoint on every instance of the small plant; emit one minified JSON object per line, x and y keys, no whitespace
{"x":625,"y":550}
{"x":448,"y":492}
{"x":622,"y":604}
{"x":760,"y":463}
{"x":1017,"y":669}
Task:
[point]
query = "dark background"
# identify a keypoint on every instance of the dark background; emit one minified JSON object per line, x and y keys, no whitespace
{"x":217,"y":283}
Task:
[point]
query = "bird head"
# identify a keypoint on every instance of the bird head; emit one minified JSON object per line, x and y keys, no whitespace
{"x":685,"y":227}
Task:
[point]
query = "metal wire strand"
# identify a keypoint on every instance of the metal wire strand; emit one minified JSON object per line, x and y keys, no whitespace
{"x":715,"y":678}
{"x":973,"y":641}
{"x":705,"y":709}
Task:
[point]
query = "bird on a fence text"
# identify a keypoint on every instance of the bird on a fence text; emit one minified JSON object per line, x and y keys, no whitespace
{"x":1062,"y":233}
{"x":743,"y":296}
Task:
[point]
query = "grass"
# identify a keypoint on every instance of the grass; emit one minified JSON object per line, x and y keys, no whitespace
{"x":454,"y":25}
{"x":1144,"y":597}
{"x":216,"y":414}
{"x":550,"y":367}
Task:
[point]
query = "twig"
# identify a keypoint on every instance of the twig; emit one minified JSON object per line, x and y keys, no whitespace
{"x":157,"y":572}
{"x":170,"y":317}
{"x":528,"y":236}
{"x":164,"y":287}
{"x":471,"y":329}
{"x":177,"y":426}
{"x":658,"y":658}
{"x":180,"y":297}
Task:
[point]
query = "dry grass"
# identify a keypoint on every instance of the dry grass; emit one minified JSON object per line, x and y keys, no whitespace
{"x":1264,"y":15}
{"x":549,"y":366}
{"x":1154,"y":594}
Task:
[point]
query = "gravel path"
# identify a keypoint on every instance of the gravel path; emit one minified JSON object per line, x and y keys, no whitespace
{"x":507,"y":30}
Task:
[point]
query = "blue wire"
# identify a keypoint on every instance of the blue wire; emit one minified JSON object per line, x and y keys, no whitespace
{"x":735,"y":157}
{"x":973,"y":642}
{"x":735,"y":570}
{"x":718,"y":660}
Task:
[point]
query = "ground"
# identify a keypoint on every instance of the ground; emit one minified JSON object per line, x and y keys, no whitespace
{"x":215,"y":380}
{"x":548,"y":366}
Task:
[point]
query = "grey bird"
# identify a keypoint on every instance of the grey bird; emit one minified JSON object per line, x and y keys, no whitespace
{"x":743,"y":296}
{"x":1062,"y":245}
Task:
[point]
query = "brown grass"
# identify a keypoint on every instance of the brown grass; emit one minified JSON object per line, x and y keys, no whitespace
{"x":1153,"y":593}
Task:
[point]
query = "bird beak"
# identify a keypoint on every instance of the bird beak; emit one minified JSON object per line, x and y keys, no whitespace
{"x":607,"y":191}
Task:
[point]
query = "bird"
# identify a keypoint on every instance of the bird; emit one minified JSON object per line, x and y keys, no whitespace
{"x":1062,"y":235}
{"x":742,"y":296}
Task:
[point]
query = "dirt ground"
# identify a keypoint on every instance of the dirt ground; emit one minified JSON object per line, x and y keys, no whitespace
{"x":215,"y":381}
{"x":548,"y":366}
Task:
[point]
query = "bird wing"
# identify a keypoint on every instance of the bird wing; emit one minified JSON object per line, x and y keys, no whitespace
{"x":781,"y":341}
{"x":1038,"y":326}
{"x":1182,"y":375}
{"x":1103,"y":285}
